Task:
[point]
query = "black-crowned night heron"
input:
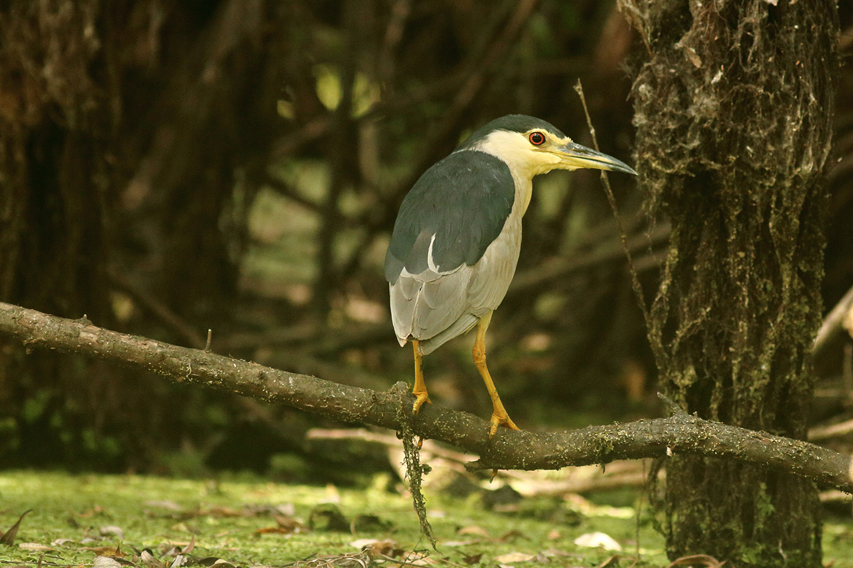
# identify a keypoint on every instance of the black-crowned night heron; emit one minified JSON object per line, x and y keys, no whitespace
{"x":457,"y":237}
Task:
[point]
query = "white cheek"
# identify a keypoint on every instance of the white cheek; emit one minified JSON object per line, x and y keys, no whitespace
{"x":542,"y":162}
{"x":551,"y":159}
{"x":524,"y":160}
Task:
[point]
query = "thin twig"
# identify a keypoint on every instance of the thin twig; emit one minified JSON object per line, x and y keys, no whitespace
{"x":635,"y":280}
{"x":832,"y":324}
{"x":818,"y":433}
{"x":291,"y":193}
{"x":158,"y":309}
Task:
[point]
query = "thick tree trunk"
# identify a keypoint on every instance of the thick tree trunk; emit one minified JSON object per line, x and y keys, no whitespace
{"x":53,"y":175}
{"x":118,"y":152}
{"x":733,"y":112}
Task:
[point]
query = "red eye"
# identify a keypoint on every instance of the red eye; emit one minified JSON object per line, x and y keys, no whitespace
{"x":536,"y":138}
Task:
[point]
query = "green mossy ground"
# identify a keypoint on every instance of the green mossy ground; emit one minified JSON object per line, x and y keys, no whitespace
{"x":75,"y":507}
{"x":157,"y":513}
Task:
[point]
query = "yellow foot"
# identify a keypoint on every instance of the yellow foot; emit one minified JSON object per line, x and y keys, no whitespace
{"x":420,"y":399}
{"x":498,"y":420}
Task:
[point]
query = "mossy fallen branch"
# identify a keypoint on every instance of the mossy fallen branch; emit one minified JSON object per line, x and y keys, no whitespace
{"x":678,"y":434}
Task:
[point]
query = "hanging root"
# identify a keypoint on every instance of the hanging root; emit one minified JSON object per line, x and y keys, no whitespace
{"x":414,"y":470}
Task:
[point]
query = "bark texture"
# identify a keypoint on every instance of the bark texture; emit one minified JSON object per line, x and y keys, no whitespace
{"x":733,"y":106}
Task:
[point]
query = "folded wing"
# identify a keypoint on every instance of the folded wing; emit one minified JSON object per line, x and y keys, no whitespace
{"x":446,"y":265}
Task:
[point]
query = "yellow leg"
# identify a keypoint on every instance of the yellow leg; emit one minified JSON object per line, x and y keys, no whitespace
{"x":420,"y":390}
{"x":499,"y":416}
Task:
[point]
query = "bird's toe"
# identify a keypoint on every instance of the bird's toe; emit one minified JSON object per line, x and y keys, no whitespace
{"x":420,"y":399}
{"x":501,"y":420}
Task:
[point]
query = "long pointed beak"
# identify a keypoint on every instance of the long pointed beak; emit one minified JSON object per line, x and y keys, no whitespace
{"x":574,"y":156}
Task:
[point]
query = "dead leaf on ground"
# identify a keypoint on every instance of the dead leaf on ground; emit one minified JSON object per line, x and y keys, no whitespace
{"x":111,"y":530}
{"x":289,"y":523}
{"x":475,"y":530}
{"x":274,"y":530}
{"x":149,"y":560}
{"x":596,"y":540}
{"x":174,"y":549}
{"x":110,"y":551}
{"x":285,"y":525}
{"x":8,"y":538}
{"x":377,"y":547}
{"x":514,"y":557}
{"x":105,"y":562}
{"x":35,"y":547}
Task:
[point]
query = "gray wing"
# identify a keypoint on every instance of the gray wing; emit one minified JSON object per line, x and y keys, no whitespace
{"x":446,"y":225}
{"x":428,"y":305}
{"x":434,"y":308}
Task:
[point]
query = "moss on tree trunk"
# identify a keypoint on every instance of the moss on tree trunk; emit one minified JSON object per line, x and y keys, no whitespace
{"x":733,"y":106}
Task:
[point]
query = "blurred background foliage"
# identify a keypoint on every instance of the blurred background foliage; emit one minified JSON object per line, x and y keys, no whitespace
{"x":170,"y":166}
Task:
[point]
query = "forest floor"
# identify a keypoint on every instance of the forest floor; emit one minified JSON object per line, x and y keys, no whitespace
{"x":111,"y":521}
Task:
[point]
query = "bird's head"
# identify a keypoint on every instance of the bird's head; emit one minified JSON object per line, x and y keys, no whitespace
{"x":531,"y":146}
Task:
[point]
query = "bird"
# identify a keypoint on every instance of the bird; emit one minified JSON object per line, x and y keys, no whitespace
{"x":457,"y":238}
